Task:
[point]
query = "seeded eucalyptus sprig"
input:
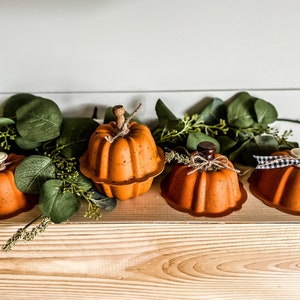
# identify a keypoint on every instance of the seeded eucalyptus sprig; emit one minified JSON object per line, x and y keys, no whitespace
{"x":239,"y":127}
{"x":72,"y":181}
{"x":27,"y":235}
{"x":185,"y":126}
{"x":7,"y":133}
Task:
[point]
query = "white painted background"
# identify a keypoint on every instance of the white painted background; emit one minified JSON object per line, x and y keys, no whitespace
{"x":83,"y":53}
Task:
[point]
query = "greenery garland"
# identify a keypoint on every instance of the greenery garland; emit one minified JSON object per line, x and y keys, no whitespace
{"x":34,"y":126}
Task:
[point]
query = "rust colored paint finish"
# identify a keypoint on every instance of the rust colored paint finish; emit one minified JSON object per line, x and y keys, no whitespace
{"x":122,"y":159}
{"x":279,"y":187}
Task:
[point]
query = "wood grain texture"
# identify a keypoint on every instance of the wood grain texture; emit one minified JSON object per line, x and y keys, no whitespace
{"x":145,"y":249}
{"x":151,"y":207}
{"x":154,"y":261}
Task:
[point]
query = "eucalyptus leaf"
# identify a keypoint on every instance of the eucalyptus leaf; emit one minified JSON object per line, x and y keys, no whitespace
{"x":258,"y":145}
{"x":235,"y":156}
{"x":6,"y":121}
{"x":84,"y":183}
{"x":240,"y":111}
{"x":75,"y":135}
{"x":32,"y":172}
{"x":195,"y":138}
{"x":14,"y":102}
{"x":103,"y":202}
{"x":39,"y":120}
{"x":214,"y":111}
{"x":167,"y":120}
{"x":265,"y":112}
{"x":56,"y":204}
{"x":226,"y":143}
{"x":163,"y":112}
{"x":25,"y":144}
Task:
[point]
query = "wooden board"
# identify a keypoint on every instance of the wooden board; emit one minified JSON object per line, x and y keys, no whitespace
{"x":155,"y":261}
{"x":145,"y":249}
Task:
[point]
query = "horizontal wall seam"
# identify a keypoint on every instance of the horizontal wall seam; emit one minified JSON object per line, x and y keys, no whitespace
{"x":154,"y":91}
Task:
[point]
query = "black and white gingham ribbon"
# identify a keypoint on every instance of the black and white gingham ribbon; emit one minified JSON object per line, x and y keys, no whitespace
{"x":272,"y":162}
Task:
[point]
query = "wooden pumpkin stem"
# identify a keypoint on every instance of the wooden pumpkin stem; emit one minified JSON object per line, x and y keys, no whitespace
{"x":207,"y":150}
{"x":122,"y":125}
{"x":119,"y":113}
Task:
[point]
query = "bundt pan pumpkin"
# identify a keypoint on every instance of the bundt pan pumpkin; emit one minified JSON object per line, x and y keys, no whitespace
{"x":208,"y":186}
{"x":279,"y":187}
{"x":122,"y":158}
{"x":12,"y":200}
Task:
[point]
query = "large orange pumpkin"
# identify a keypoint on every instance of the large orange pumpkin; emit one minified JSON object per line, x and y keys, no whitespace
{"x":212,"y":193}
{"x":122,"y":158}
{"x":12,"y":200}
{"x":278,"y":187}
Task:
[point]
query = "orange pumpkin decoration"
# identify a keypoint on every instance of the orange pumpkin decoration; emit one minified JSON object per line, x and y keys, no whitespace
{"x":212,"y":192}
{"x":278,"y":187}
{"x":12,"y":200}
{"x":122,"y":158}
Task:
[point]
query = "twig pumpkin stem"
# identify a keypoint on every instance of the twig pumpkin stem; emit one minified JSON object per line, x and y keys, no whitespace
{"x":122,"y":124}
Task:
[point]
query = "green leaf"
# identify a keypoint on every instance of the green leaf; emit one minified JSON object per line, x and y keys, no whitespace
{"x":163,"y":112}
{"x":235,"y":156}
{"x":195,"y":138}
{"x":14,"y":102}
{"x":167,"y":120}
{"x":240,"y":111}
{"x":265,"y":112}
{"x":39,"y":120}
{"x":103,"y":202}
{"x":226,"y":143}
{"x":56,"y":204}
{"x":214,"y":111}
{"x":75,"y":135}
{"x":259,"y":145}
{"x":6,"y":121}
{"x":25,"y":144}
{"x":32,"y":172}
{"x":83,"y":182}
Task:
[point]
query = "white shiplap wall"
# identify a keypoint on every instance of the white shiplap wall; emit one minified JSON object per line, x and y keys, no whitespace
{"x":82,"y":53}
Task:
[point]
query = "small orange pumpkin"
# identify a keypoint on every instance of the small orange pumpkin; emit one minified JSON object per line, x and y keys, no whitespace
{"x":212,"y":192}
{"x":122,"y":158}
{"x":278,"y":187}
{"x":12,"y":200}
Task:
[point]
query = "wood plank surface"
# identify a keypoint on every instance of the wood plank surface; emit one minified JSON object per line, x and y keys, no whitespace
{"x":144,"y":249}
{"x":154,"y":261}
{"x":151,"y":207}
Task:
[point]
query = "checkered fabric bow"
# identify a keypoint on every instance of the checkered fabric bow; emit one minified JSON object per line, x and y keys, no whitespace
{"x":272,"y":162}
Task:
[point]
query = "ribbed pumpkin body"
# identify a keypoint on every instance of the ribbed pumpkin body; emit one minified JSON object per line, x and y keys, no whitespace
{"x":12,"y":201}
{"x":125,"y":167}
{"x":279,"y":188}
{"x":203,"y":193}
